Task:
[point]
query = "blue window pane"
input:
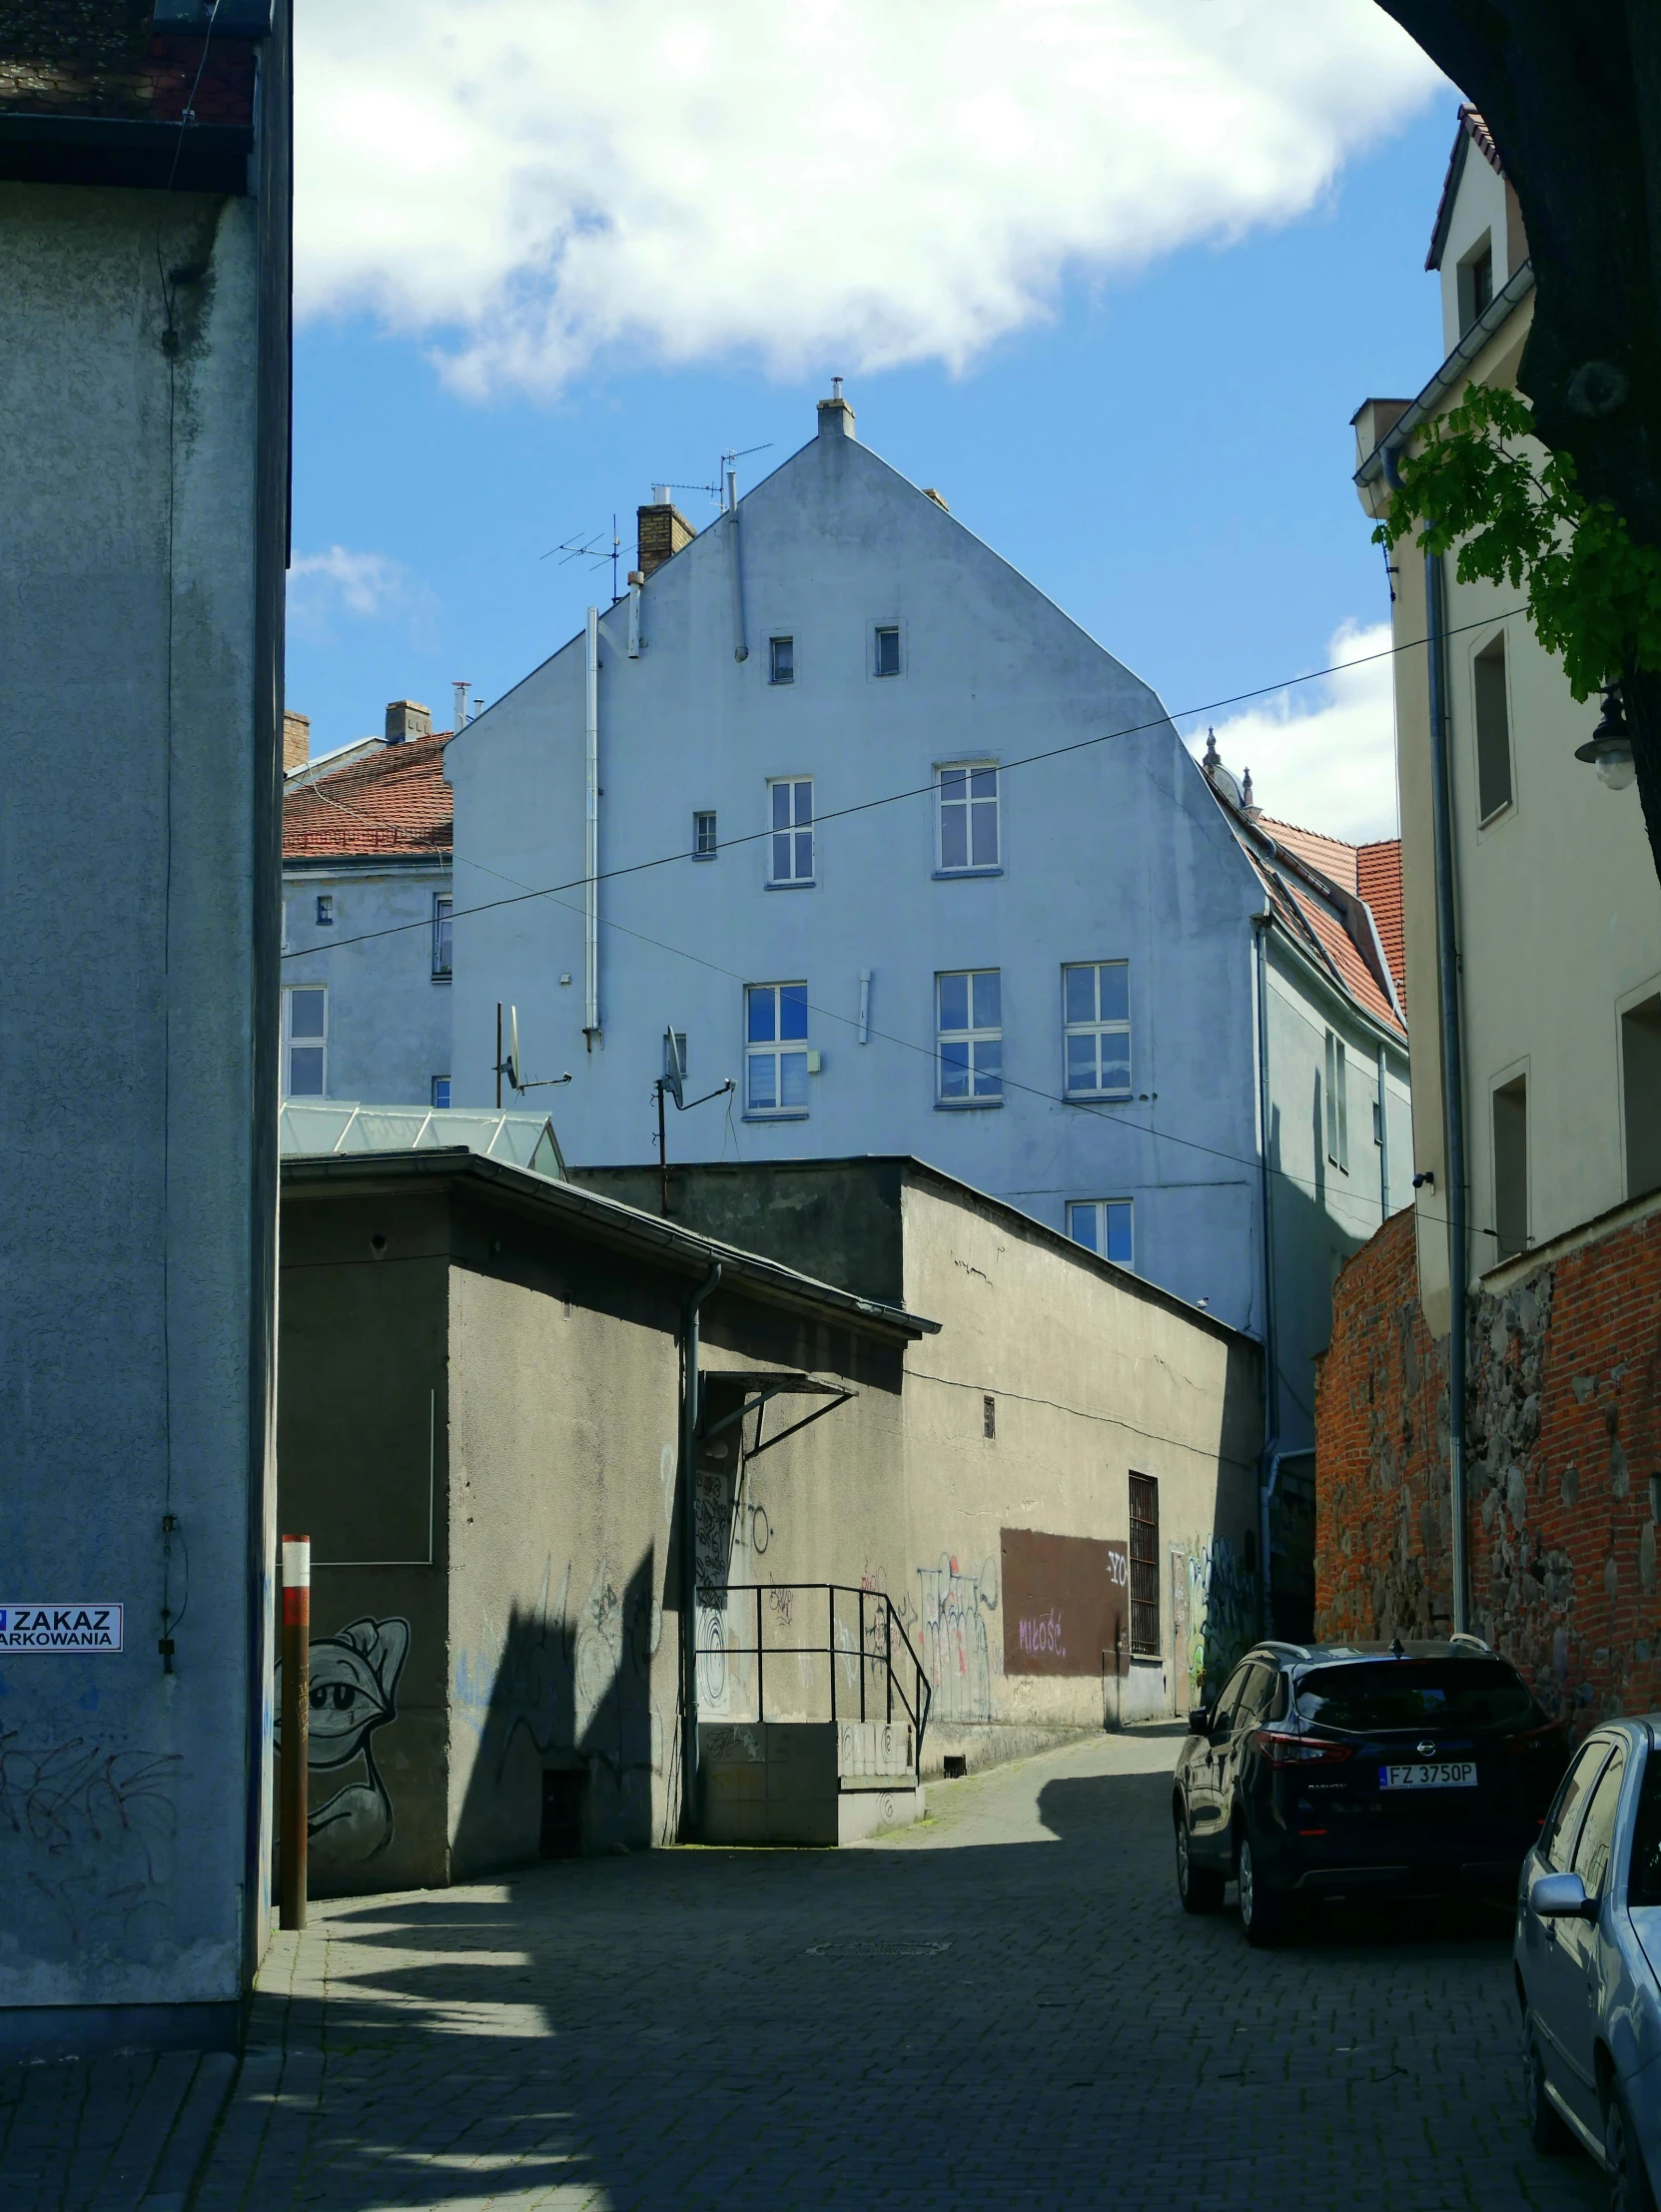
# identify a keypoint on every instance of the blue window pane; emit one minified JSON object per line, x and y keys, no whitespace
{"x":1080,"y":1226}
{"x":793,"y":1080}
{"x":761,"y":1002}
{"x":306,"y":1013}
{"x":987,"y":997}
{"x":1116,"y":992}
{"x":954,"y":837}
{"x":983,"y":783}
{"x":1118,"y":1233}
{"x":1116,"y":1061}
{"x":952,"y":782}
{"x":804,"y":803}
{"x":1078,"y":986}
{"x":988,"y":1068}
{"x":781,"y":859}
{"x":986,"y":836}
{"x":781,"y":806}
{"x":793,"y":1010}
{"x":888,"y":652}
{"x":954,"y":1071}
{"x":305,"y":1072}
{"x":805,"y":855}
{"x":1081,"y":1063}
{"x":954,"y":1001}
{"x":763,"y":1092}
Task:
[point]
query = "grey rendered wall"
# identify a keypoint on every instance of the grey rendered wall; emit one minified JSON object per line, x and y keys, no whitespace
{"x":564,"y":1595}
{"x":362,"y":1427}
{"x":137,"y":1106}
{"x":1090,"y":1380}
{"x":388,"y":1021}
{"x":1322,"y":1214}
{"x":1117,"y":851}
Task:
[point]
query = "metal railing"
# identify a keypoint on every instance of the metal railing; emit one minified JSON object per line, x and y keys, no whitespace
{"x":865,"y":1669}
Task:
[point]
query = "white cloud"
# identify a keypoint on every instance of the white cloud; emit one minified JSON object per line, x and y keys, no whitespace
{"x":536,"y":183}
{"x":370,"y":587}
{"x":1322,"y":755}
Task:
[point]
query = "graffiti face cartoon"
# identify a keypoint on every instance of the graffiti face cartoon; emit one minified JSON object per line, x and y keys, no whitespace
{"x":353,"y":1692}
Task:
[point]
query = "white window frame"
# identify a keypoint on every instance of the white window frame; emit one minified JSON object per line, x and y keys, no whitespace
{"x":1337,"y":1103}
{"x":701,"y":850}
{"x":790,"y":834}
{"x":1098,"y":1027}
{"x":443,"y":934}
{"x":778,"y":638}
{"x":778,"y":1049}
{"x":975,"y":1039}
{"x":441,"y":1104}
{"x":1097,"y":1211}
{"x":305,"y":1043}
{"x":872,"y":672}
{"x":972,"y":807}
{"x":324,"y":910}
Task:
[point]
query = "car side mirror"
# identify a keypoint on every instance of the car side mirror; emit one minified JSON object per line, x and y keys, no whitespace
{"x":1562,"y":1898}
{"x":1199,"y":1721}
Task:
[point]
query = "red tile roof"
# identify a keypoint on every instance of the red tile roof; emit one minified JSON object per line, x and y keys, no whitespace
{"x":1379,"y":880}
{"x":392,"y":801}
{"x":1332,"y":855}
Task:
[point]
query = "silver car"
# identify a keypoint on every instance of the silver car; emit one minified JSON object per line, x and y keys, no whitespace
{"x":1588,"y":1958}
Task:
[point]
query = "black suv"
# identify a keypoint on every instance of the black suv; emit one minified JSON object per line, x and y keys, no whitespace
{"x":1332,"y":1769}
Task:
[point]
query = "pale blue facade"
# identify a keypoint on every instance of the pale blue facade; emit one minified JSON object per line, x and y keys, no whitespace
{"x":996,"y":906}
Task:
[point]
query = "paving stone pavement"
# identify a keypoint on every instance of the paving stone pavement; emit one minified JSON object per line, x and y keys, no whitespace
{"x":1005,"y":2007}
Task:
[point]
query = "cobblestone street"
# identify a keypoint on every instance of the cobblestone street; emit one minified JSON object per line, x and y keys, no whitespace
{"x":1005,"y":2007}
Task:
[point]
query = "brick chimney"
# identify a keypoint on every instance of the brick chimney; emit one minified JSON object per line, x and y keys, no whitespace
{"x":405,"y":719}
{"x":662,"y":531}
{"x":297,"y":741}
{"x":836,"y":418}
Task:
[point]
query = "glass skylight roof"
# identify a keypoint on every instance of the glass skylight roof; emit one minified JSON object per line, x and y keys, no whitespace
{"x":314,"y":1127}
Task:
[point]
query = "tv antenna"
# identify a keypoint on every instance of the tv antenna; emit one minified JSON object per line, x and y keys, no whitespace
{"x":672,"y":1083}
{"x":507,"y":1064}
{"x":594,"y":548}
{"x":724,"y":490}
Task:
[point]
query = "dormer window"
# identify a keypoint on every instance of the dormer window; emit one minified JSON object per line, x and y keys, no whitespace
{"x":1476,"y":283}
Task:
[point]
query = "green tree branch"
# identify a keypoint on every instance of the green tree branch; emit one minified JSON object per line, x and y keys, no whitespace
{"x":1474,"y":489}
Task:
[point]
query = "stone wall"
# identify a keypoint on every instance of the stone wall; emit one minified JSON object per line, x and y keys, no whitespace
{"x":1563,"y":1457}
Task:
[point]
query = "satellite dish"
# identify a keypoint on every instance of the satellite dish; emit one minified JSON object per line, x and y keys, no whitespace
{"x":513,"y":1071}
{"x":674,"y":1073}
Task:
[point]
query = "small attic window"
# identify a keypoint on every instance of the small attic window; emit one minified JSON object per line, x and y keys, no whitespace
{"x":1476,"y":283}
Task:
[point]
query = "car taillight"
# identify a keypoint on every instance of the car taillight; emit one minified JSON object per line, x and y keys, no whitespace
{"x":1535,"y":1739}
{"x":1282,"y":1750}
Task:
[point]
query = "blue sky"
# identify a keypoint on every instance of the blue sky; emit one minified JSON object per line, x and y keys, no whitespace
{"x":1163,"y":448}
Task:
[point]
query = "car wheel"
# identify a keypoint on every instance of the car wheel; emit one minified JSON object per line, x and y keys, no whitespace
{"x":1262,"y":1909}
{"x":1623,"y":2160}
{"x":1546,"y":2129}
{"x":1199,"y":1887}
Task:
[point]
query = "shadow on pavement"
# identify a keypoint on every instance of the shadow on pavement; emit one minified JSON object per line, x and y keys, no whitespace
{"x":1000,"y":2025}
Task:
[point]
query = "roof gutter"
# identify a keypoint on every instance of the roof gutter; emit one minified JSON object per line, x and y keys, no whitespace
{"x":1383,"y":460}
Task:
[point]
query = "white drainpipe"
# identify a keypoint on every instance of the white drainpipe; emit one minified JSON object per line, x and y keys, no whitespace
{"x":591,"y":834}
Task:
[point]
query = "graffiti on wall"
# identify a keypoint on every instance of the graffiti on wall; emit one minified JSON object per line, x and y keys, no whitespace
{"x":353,"y":1693}
{"x":86,"y":1834}
{"x":1218,"y":1615}
{"x":956,"y":1655}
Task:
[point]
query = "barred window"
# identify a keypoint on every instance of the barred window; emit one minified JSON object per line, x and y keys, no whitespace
{"x":1144,"y":1566}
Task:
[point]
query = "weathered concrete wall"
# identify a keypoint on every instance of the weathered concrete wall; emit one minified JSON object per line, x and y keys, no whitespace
{"x":1563,"y":1435}
{"x":362,"y":1431}
{"x":141,"y":648}
{"x":1092,"y":1375}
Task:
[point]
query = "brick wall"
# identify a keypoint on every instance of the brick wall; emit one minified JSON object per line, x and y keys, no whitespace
{"x":1563,"y":1454}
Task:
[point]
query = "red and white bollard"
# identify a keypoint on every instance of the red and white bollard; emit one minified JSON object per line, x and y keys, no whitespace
{"x":296,"y":1706}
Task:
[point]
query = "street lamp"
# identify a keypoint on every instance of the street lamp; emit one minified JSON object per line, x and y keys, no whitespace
{"x":1609,"y":748}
